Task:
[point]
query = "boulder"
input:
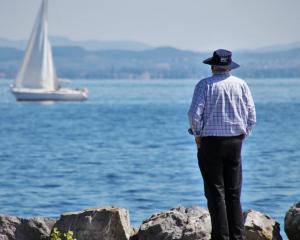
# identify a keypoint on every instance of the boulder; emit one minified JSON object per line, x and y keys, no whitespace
{"x":106,"y":223}
{"x":14,"y":228}
{"x":177,"y":223}
{"x":292,"y":222}
{"x":259,"y":226}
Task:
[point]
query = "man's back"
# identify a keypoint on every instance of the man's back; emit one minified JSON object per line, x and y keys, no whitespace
{"x":225,"y":105}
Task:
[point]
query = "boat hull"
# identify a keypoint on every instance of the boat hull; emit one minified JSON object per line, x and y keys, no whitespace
{"x":46,"y":95}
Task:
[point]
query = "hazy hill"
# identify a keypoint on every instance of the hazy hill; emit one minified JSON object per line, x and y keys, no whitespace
{"x":163,"y":62}
{"x":88,"y":45}
{"x":277,"y":48}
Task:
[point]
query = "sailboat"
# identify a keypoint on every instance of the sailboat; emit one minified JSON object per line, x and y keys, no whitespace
{"x":37,"y":79}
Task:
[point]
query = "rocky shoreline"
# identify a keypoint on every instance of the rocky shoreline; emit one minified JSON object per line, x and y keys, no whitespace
{"x":111,"y":223}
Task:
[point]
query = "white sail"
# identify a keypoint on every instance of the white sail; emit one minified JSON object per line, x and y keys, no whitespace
{"x":37,"y":70}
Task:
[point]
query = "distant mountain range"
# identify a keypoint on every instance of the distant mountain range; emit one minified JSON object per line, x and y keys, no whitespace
{"x":277,"y":48}
{"x":88,"y":45}
{"x":162,"y":62}
{"x":94,"y":45}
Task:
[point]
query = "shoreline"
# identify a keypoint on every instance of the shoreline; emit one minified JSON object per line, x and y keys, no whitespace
{"x":113,"y":223}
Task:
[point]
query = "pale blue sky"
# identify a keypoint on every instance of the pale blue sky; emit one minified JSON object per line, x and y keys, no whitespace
{"x":187,"y":24}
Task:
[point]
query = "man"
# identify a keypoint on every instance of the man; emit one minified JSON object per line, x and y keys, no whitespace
{"x":221,"y":115}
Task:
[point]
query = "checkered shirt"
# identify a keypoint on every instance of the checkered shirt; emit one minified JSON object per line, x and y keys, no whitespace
{"x":222,"y":105}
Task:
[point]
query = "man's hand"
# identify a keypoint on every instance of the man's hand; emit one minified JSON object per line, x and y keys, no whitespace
{"x":198,"y":141}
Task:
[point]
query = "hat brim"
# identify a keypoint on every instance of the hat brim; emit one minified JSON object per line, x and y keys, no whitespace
{"x":230,"y":66}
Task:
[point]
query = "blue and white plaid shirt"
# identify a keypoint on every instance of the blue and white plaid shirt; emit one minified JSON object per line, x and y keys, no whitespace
{"x":222,"y":105}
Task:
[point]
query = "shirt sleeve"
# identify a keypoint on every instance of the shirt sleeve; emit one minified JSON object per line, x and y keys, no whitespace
{"x":251,"y":120}
{"x":195,"y":113}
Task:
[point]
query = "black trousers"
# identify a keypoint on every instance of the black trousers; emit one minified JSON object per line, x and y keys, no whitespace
{"x":219,"y":160}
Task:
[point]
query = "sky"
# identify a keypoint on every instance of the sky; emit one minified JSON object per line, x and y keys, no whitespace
{"x":186,"y":24}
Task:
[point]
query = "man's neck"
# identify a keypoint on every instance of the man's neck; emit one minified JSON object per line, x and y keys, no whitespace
{"x":220,"y":72}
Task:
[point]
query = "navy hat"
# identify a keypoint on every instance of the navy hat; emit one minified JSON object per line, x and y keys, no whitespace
{"x":222,"y":58}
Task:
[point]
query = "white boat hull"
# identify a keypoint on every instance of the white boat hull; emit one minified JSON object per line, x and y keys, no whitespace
{"x":63,"y":94}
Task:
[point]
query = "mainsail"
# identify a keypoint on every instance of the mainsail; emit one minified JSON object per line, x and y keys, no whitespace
{"x":37,"y":70}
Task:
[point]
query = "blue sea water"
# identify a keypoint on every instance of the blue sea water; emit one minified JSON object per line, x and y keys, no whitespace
{"x":128,"y":146}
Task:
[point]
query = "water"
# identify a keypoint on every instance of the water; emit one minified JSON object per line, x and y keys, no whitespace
{"x":128,"y":146}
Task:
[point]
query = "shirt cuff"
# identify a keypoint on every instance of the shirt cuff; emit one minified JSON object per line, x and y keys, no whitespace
{"x":194,"y":133}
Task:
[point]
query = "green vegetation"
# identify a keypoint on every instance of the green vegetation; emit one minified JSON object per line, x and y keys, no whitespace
{"x":56,"y":235}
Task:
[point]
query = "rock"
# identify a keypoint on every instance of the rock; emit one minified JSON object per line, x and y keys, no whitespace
{"x":134,"y":234}
{"x":261,"y":227}
{"x":177,"y":223}
{"x":8,"y":227}
{"x":14,"y":228}
{"x":292,"y":222}
{"x":100,"y":223}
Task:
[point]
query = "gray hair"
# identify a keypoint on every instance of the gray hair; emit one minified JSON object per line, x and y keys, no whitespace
{"x":219,"y":69}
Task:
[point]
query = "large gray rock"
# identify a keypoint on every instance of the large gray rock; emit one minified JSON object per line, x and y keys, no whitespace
{"x":261,"y":227}
{"x":292,"y":222}
{"x":14,"y":228}
{"x":177,"y":223}
{"x":99,"y":223}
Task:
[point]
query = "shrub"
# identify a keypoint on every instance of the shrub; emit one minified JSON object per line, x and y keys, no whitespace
{"x":56,"y":235}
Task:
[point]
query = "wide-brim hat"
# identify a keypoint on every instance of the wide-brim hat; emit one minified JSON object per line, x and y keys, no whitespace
{"x":222,"y":58}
